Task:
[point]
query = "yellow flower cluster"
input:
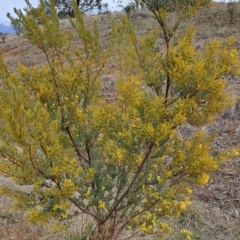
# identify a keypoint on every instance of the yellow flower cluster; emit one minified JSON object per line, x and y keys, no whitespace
{"x":68,"y":187}
{"x":87,"y":193}
{"x":146,"y":228}
{"x":163,"y":226}
{"x":35,"y":216}
{"x":101,"y":204}
{"x":186,"y":233}
{"x":235,"y":152}
{"x":203,"y":179}
{"x":57,"y":226}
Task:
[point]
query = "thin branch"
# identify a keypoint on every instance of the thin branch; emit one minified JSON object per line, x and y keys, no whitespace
{"x":82,"y":209}
{"x":54,"y":78}
{"x":139,"y":170}
{"x":76,"y":148}
{"x":167,"y":90}
{"x":136,"y":50}
{"x":38,"y":170}
{"x":42,"y":147}
{"x":12,"y":175}
{"x":89,"y":161}
{"x":11,"y":158}
{"x":59,"y":187}
{"x":146,"y":209}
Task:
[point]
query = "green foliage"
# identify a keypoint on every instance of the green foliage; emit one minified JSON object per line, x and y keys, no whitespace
{"x":62,"y":14}
{"x":83,"y":5}
{"x":17,"y":29}
{"x":15,"y":23}
{"x":31,"y":12}
{"x":104,"y":9}
{"x":129,"y":9}
{"x":47,"y":7}
{"x":124,"y":164}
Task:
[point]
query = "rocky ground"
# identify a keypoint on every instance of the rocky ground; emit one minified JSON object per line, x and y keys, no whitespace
{"x":215,"y":211}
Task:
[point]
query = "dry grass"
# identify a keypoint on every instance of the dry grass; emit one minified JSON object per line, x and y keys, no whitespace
{"x":13,"y":225}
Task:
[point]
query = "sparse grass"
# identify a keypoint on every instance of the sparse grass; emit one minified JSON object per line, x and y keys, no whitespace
{"x":206,"y":222}
{"x":13,"y":225}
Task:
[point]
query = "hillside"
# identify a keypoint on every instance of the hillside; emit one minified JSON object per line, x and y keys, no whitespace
{"x":214,"y":213}
{"x":6,"y":29}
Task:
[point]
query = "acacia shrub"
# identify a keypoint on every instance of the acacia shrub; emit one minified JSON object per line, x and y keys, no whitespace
{"x":122,"y":163}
